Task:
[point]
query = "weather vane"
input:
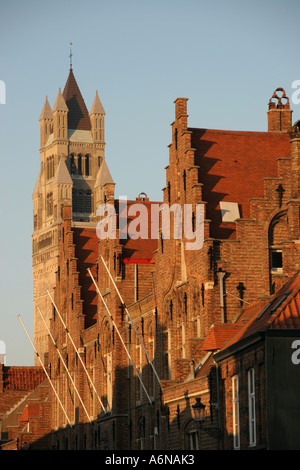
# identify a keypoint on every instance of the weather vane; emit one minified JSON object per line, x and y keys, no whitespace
{"x":70,"y":56}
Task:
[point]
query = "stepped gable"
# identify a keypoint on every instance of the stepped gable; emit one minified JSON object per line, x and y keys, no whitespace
{"x":78,"y":116}
{"x":232,"y":166}
{"x":86,"y":248}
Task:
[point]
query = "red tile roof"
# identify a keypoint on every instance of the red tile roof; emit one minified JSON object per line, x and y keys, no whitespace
{"x":232,"y":165}
{"x":281,"y":311}
{"x":218,"y":335}
{"x":139,"y":250}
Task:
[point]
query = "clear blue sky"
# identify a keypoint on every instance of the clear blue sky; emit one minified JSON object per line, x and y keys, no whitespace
{"x":227,"y":57}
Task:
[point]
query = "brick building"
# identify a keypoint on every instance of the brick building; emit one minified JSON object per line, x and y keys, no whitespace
{"x":137,"y":328}
{"x":25,"y":408}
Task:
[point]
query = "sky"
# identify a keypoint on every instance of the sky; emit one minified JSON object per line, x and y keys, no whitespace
{"x":226,"y":57}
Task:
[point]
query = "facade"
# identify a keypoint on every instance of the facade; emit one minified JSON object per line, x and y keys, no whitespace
{"x":135,"y":330}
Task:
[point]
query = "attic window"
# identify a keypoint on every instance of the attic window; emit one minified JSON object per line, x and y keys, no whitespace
{"x":229,"y":211}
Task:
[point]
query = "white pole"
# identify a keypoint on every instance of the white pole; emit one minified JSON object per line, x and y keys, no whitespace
{"x":82,"y":363}
{"x":119,"y":334}
{"x":47,"y":375}
{"x":65,"y":366}
{"x":149,"y":360}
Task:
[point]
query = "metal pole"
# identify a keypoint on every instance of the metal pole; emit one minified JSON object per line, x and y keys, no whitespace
{"x":82,"y":363}
{"x":65,"y":366}
{"x":47,"y":375}
{"x":119,"y":334}
{"x":149,"y":360}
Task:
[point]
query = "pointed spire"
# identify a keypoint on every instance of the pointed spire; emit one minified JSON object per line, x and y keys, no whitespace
{"x":46,"y":111}
{"x":37,"y":188}
{"x":103,"y":176}
{"x":97,"y":107}
{"x":62,"y":175}
{"x":60,"y":104}
{"x":78,"y":117}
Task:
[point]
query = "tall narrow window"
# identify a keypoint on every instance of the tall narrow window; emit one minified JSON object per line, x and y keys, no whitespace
{"x":251,"y":401}
{"x":88,"y":202}
{"x":136,"y":282}
{"x":109,"y":385}
{"x":49,"y":205}
{"x":167,"y":354}
{"x":79,"y":165}
{"x":72,"y":165}
{"x":236,"y":411}
{"x":87,"y":165}
{"x":138,"y":396}
{"x":183,"y":345}
{"x":74,"y":201}
{"x":80,"y":202}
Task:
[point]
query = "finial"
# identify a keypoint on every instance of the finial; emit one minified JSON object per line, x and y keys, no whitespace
{"x":70,"y":56}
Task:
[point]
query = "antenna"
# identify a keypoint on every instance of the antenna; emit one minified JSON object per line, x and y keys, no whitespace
{"x":70,"y":56}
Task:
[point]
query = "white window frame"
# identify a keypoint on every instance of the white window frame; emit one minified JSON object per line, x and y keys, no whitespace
{"x":236,"y":412}
{"x":251,"y":404}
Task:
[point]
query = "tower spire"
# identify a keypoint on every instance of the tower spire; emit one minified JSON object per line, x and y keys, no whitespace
{"x":70,"y":56}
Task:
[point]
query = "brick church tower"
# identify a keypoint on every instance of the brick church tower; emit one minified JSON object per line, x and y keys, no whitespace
{"x":73,"y":172}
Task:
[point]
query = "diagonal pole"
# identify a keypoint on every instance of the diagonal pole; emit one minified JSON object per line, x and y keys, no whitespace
{"x":119,"y":334}
{"x":122,"y":302}
{"x":47,"y":375}
{"x":82,"y":363}
{"x":65,"y":365}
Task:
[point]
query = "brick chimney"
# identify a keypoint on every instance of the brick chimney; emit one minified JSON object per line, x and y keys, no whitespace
{"x":279,"y":114}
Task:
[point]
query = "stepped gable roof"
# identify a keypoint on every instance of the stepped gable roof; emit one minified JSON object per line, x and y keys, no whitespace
{"x":232,"y":166}
{"x":78,"y":116}
{"x":62,"y":175}
{"x":86,"y":249}
{"x":281,"y":311}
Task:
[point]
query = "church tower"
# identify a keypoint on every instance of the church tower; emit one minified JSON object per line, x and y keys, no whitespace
{"x":73,"y":171}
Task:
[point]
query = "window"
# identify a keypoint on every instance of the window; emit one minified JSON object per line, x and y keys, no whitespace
{"x":138,"y":396}
{"x":72,"y":165}
{"x":88,"y":202}
{"x":251,"y":401}
{"x":87,"y":165}
{"x":193,"y":440}
{"x":79,"y":165}
{"x":276,"y":260}
{"x":167,"y":354}
{"x":80,"y":202}
{"x":49,"y":205}
{"x":236,"y":417}
{"x":109,"y":384}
